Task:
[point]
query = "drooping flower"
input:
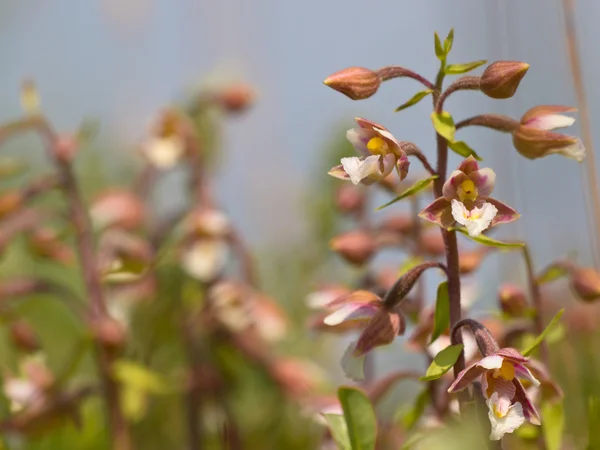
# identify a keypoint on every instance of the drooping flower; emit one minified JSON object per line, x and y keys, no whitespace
{"x":380,"y":151}
{"x":507,"y":399}
{"x":165,"y":148}
{"x":381,"y":326}
{"x":466,"y":200}
{"x":534,"y":138}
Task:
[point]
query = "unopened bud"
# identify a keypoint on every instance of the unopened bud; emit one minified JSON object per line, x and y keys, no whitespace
{"x":382,"y":329}
{"x":398,"y":223}
{"x":24,"y":337}
{"x":10,"y":202}
{"x":470,"y":261}
{"x":65,"y":148}
{"x":236,"y":97}
{"x":117,"y":208}
{"x":109,"y":333}
{"x":585,"y":282}
{"x":356,"y":247}
{"x":356,"y":83}
{"x":501,"y":79}
{"x":350,"y":199}
{"x":535,"y":143}
{"x":209,"y":223}
{"x":513,"y":300}
{"x":405,"y":283}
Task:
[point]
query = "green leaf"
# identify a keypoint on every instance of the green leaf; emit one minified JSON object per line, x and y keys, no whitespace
{"x":139,"y":377}
{"x":448,"y":42}
{"x":553,"y":419}
{"x":551,"y":273}
{"x":442,"y":362}
{"x":485,"y":240}
{"x":418,"y":186}
{"x":410,"y":419}
{"x":414,"y":99}
{"x":457,"y":69}
{"x":339,"y":430}
{"x":441,"y":319}
{"x":594,"y":423}
{"x":461,"y":148}
{"x":125,"y":269}
{"x":134,"y":403}
{"x":360,"y":418}
{"x":439,"y":50}
{"x":444,"y":125}
{"x":538,"y":340}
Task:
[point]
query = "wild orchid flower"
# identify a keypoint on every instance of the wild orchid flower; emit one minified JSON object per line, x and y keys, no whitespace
{"x":466,"y":200}
{"x":380,"y":151}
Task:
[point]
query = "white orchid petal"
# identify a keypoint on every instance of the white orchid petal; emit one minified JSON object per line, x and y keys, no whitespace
{"x":164,"y":153}
{"x":360,"y":168}
{"x":551,"y":122}
{"x":506,"y":421}
{"x":205,"y":259}
{"x":475,"y":220}
{"x":575,"y":151}
{"x":350,"y":311}
{"x":491,"y":362}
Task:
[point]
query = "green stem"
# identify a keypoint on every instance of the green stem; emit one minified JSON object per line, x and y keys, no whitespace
{"x":536,"y":299}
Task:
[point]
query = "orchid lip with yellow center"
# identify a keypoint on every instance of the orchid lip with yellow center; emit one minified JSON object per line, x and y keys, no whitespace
{"x":467,"y":191}
{"x":497,"y":412}
{"x":378,"y":146}
{"x":506,"y":371}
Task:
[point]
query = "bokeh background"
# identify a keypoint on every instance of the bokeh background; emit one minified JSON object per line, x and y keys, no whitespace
{"x":120,"y":62}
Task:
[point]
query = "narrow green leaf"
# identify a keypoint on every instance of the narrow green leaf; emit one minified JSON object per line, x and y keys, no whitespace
{"x":448,"y":42}
{"x":339,"y":430}
{"x":360,"y":418}
{"x":443,"y":362}
{"x":551,"y":273}
{"x":553,"y":419}
{"x":538,"y":340}
{"x":441,"y":319}
{"x":461,"y":148}
{"x":414,"y":99}
{"x":458,"y":69}
{"x":485,"y":240}
{"x":593,"y":423}
{"x":418,"y":186}
{"x":444,"y":125}
{"x":439,"y":50}
{"x":410,"y":419}
{"x":414,"y":439}
{"x":139,"y":377}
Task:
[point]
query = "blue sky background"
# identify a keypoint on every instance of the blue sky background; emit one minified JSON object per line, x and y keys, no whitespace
{"x":120,"y":61}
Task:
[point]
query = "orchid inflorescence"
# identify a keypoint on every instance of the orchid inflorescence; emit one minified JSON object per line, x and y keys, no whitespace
{"x":383,"y":307}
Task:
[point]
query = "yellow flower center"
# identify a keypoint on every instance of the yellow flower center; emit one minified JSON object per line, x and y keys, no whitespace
{"x":377,"y":146}
{"x":467,"y":191}
{"x":497,"y":413}
{"x":506,"y":371}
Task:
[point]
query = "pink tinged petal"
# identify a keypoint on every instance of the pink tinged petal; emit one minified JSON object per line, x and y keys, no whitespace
{"x":506,"y":389}
{"x":386,"y":165}
{"x":360,"y":168}
{"x":469,"y":165}
{"x":368,"y":124}
{"x":452,"y":183}
{"x":466,"y":377}
{"x":390,"y":139}
{"x":513,"y":355}
{"x":382,"y":329}
{"x":352,"y":311}
{"x":402,"y":166}
{"x":544,"y":110}
{"x":551,"y":122}
{"x":359,"y":137}
{"x":339,"y":172}
{"x":360,"y":296}
{"x":352,"y":365}
{"x":529,"y":410}
{"x":505,"y":214}
{"x":438,"y":212}
{"x":507,"y":422}
{"x":523,"y":372}
{"x":484,"y":180}
{"x":575,"y":151}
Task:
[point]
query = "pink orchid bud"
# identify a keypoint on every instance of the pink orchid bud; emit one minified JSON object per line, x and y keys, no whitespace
{"x":350,"y":199}
{"x":9,"y":202}
{"x":356,"y":247}
{"x":236,"y":97}
{"x":398,"y":223}
{"x":24,"y":337}
{"x":585,"y":282}
{"x":65,"y":148}
{"x":356,"y":83}
{"x":117,"y":208}
{"x":513,"y":300}
{"x":501,"y":79}
{"x":469,"y":262}
{"x":534,"y":137}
